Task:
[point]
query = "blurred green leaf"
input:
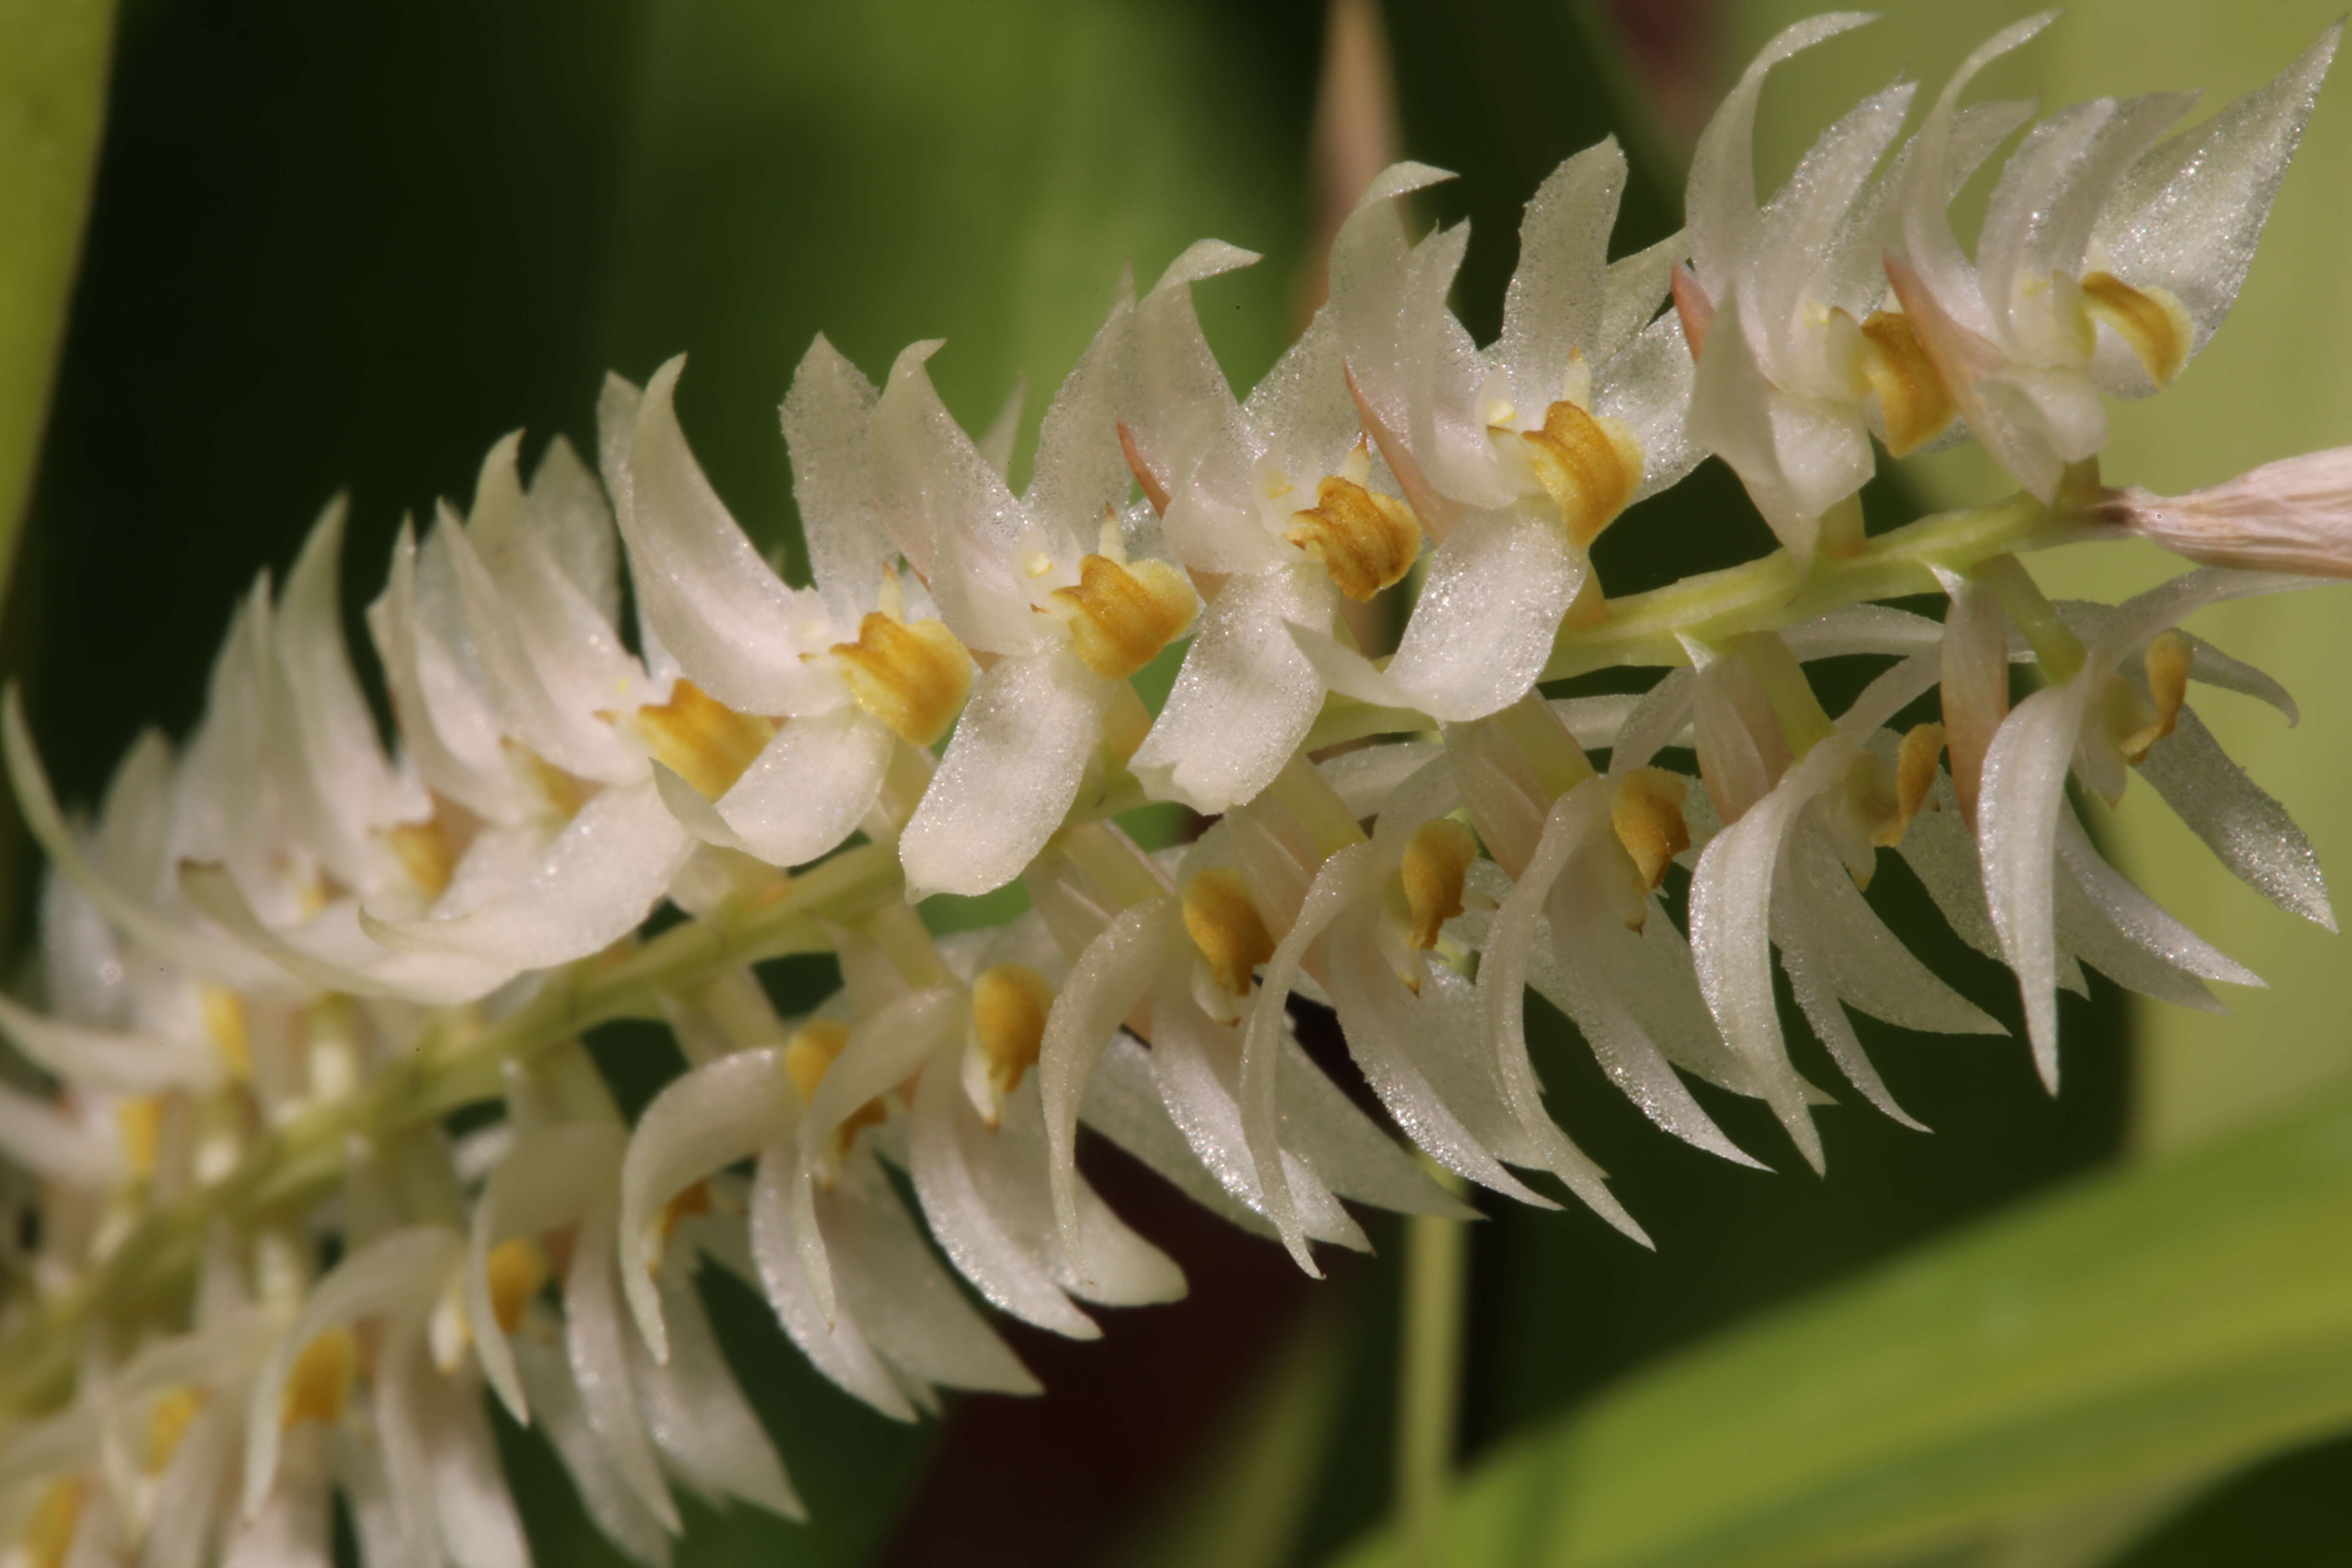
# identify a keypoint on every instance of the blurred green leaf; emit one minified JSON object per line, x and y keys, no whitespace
{"x":2117,"y":1335}
{"x":53,"y":67}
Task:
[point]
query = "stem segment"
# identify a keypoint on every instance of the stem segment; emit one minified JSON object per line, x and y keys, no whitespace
{"x":1429,"y":1374}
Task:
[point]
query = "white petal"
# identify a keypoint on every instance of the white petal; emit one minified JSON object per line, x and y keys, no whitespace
{"x":831,"y":1339}
{"x":1013,"y":1272}
{"x":698,"y":1417}
{"x":701,"y":1122}
{"x":479,"y":1526}
{"x":828,"y":416}
{"x":1730,"y":920}
{"x":1553,"y":305}
{"x":1863,"y":962}
{"x":333,"y":951}
{"x":810,"y":787}
{"x":594,"y":885}
{"x":1483,"y":623}
{"x":447,"y":731}
{"x":1721,"y":202}
{"x":1123,"y":1104}
{"x":1011,"y":772}
{"x":2016,"y":826}
{"x":1080,"y":467}
{"x":2187,"y":217}
{"x":882,"y":1052}
{"x":1246,"y":696}
{"x":1106,"y":982}
{"x":624,"y":1519}
{"x":2248,"y":831}
{"x":390,"y":1275}
{"x":1196,"y":1065}
{"x":1585,"y":973}
{"x":1502,"y":988}
{"x":1340,"y":881}
{"x":1377,"y":1013}
{"x":597,"y":1336}
{"x":547,"y":1180}
{"x":2141,"y":920}
{"x":39,"y":1137}
{"x":1927,"y":230}
{"x":1819,"y":1002}
{"x":109,"y":1060}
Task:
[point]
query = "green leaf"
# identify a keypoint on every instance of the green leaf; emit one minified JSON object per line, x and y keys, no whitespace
{"x":53,"y":60}
{"x":2121,"y":1335}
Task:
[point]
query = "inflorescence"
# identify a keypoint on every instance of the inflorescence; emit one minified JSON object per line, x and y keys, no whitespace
{"x":279,"y":956}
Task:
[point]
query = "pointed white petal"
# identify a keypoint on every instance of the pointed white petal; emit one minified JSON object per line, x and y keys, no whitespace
{"x":1484,"y":624}
{"x":828,"y":416}
{"x":624,"y":1519}
{"x":550,"y":1179}
{"x":1123,"y":1104}
{"x":2248,"y":831}
{"x":594,"y":885}
{"x":2016,"y":826}
{"x":1864,"y":963}
{"x":1246,"y":696}
{"x":810,"y":787}
{"x":2187,"y":217}
{"x":39,"y":1137}
{"x":701,"y":1122}
{"x":706,"y":1430}
{"x":831,"y":1339}
{"x":1106,"y":982}
{"x":1011,"y":771}
{"x":1553,"y":305}
{"x":109,"y":1060}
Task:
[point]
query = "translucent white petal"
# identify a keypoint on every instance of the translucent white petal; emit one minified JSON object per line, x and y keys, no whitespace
{"x":882,"y":1053}
{"x":2017,"y":824}
{"x":1377,"y":1013}
{"x":1721,"y":200}
{"x":1804,"y":221}
{"x":893,"y":1285}
{"x":1863,"y":962}
{"x":1483,"y":623}
{"x":333,"y":951}
{"x":2248,"y":831}
{"x":699,"y":1420}
{"x":701,"y":1122}
{"x":1343,"y":878}
{"x":2142,"y":920}
{"x":1926,"y":231}
{"x":810,"y":787}
{"x":39,"y":1137}
{"x":1106,"y":982}
{"x":1503,"y":982}
{"x":1731,"y":416}
{"x":393,"y":1274}
{"x":624,"y":1519}
{"x":958,"y":525}
{"x":827,"y":416}
{"x":109,"y":1060}
{"x":1583,"y":971}
{"x":550,"y":1179}
{"x":1011,"y":771}
{"x":594,"y":885}
{"x":1080,"y":467}
{"x":2187,"y":217}
{"x":833,"y":1342}
{"x":1110,"y":1264}
{"x":1246,"y":696}
{"x":1553,"y":305}
{"x":447,"y":731}
{"x":1819,"y":1002}
{"x":597,"y":1336}
{"x":1014,"y":1271}
{"x":1647,"y":386}
{"x":1123,"y":1104}
{"x":1196,"y":1065}
{"x":1730,"y":927}
{"x":478,"y":1523}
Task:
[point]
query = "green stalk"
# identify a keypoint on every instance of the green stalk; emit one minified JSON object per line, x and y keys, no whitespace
{"x":1429,"y":1374}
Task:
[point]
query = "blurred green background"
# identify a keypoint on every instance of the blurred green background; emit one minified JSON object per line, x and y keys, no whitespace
{"x":348,"y":247}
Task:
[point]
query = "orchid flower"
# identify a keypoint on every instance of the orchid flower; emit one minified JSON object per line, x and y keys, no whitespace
{"x":2106,"y":259}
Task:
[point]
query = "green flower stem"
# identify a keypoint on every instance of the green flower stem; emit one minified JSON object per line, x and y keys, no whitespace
{"x":1429,"y":1373}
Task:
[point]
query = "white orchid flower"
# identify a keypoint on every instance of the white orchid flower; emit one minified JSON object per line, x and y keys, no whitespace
{"x":1514,"y":458}
{"x":2106,"y":260}
{"x":1042,"y":587}
{"x":1808,"y":805}
{"x":1797,"y":363}
{"x":789,"y":708}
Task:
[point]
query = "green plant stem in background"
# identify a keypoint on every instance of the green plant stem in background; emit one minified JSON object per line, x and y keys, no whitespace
{"x":1429,"y":1373}
{"x":52,"y":63}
